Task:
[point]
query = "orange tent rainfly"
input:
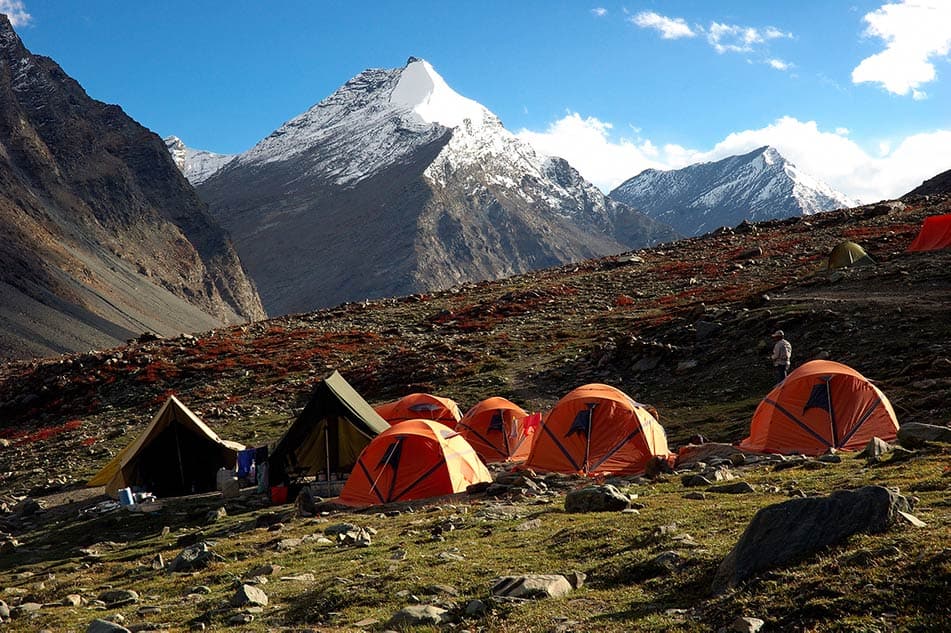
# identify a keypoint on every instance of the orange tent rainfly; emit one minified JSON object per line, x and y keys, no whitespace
{"x":935,"y":234}
{"x":821,"y":405}
{"x":497,"y":431}
{"x":421,"y":406}
{"x":415,"y":459}
{"x":598,"y":430}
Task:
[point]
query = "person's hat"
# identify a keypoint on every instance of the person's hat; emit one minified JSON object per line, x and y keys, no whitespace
{"x":778,"y":334}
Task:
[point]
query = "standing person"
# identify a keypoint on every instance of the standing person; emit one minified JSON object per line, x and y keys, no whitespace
{"x":782,"y":353}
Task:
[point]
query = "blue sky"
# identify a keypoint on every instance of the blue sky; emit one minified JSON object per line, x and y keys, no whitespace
{"x":857,"y":93}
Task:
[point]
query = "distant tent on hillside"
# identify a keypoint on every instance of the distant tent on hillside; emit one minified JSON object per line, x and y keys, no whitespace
{"x":935,"y":234}
{"x":329,"y":433}
{"x":176,"y":454}
{"x":421,"y":406}
{"x":848,"y":253}
{"x":413,"y":459}
{"x":497,"y":431}
{"x":821,"y":405}
{"x":597,"y":429}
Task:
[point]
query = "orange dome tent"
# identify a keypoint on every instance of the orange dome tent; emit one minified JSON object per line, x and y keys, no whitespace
{"x":496,"y":429}
{"x":421,"y":406}
{"x":598,"y":430}
{"x":414,"y":459}
{"x":935,"y":234}
{"x":821,"y":405}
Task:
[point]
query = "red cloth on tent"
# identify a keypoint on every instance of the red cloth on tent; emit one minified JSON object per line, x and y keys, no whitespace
{"x":935,"y":234}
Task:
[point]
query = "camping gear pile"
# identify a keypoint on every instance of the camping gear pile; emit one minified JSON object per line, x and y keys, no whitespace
{"x":421,"y":446}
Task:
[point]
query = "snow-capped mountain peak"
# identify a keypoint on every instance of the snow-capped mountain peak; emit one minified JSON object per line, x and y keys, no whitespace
{"x":421,"y":89}
{"x":759,"y":185}
{"x":196,"y":164}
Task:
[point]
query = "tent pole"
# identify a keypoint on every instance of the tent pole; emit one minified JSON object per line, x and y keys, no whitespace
{"x":178,"y":450}
{"x":327,"y":454}
{"x":587,"y":438}
{"x":835,"y":436}
{"x":505,"y":433}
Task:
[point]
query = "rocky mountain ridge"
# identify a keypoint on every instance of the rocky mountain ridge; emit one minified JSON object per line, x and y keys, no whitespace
{"x":103,"y":238}
{"x":756,"y":186}
{"x":440,"y":191}
{"x":197,"y":165}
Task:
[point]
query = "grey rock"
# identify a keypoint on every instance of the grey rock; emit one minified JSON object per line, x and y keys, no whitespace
{"x":746,"y":625}
{"x":197,"y":556}
{"x":419,"y":615}
{"x":738,"y":488}
{"x":829,"y":459}
{"x":784,"y":533}
{"x":475,"y":608}
{"x":305,"y":577}
{"x":916,"y":434}
{"x":264,"y":570}
{"x":105,"y":626}
{"x":435,"y":590}
{"x":875,"y":449}
{"x":241,"y":618}
{"x":158,"y":563}
{"x":695,"y":480}
{"x":25,"y":609}
{"x":532,"y":586}
{"x":249,"y":595}
{"x":604,"y":498}
{"x":72,"y":600}
{"x":576,"y":579}
{"x":214,"y":516}
{"x":119,"y":597}
{"x":4,"y":610}
{"x":695,"y":495}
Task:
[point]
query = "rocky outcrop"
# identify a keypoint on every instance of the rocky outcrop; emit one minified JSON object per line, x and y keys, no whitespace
{"x":103,"y":237}
{"x":786,"y":532}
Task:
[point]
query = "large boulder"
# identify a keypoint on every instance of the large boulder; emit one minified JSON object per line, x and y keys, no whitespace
{"x":915,"y":434}
{"x":105,"y":626}
{"x":532,"y":586}
{"x":197,"y":556}
{"x":786,"y":532}
{"x":604,"y":498}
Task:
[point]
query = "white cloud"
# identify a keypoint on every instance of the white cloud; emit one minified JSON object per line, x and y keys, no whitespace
{"x":842,"y":131}
{"x":779,"y":64}
{"x":669,"y":28}
{"x":898,"y":166}
{"x":599,"y":12}
{"x":16,"y":11}
{"x":732,"y":38}
{"x":914,"y":32}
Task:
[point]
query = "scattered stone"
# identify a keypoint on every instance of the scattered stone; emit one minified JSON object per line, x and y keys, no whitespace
{"x":917,"y":434}
{"x":264,"y":570}
{"x":4,"y":610}
{"x":200,"y":590}
{"x":119,"y":597}
{"x":419,"y":615}
{"x":746,"y":625}
{"x":25,"y":609}
{"x":576,"y":579}
{"x":105,"y":626}
{"x":288,"y":544}
{"x":605,"y":498}
{"x":157,"y":563}
{"x":695,"y":494}
{"x":532,"y":586}
{"x":241,"y":618}
{"x":435,"y":590}
{"x":528,"y":525}
{"x":447,"y":556}
{"x":785,"y":532}
{"x":249,"y":595}
{"x":214,"y":516}
{"x":691,"y":480}
{"x":72,"y":600}
{"x":197,"y":556}
{"x":365,"y":622}
{"x":306,"y":577}
{"x":476,"y":608}
{"x":738,"y":488}
{"x":875,"y":449}
{"x":829,"y":459}
{"x":912,"y":519}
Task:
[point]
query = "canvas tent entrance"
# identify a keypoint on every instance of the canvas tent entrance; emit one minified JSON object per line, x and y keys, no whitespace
{"x":496,"y":429}
{"x":414,"y":459}
{"x":848,"y":253}
{"x":421,"y":406}
{"x":935,"y":234}
{"x":328,"y":435}
{"x":176,"y":454}
{"x":597,"y":429}
{"x":821,"y":405}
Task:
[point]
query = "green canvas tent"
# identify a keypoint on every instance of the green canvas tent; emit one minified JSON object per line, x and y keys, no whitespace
{"x":848,"y":253}
{"x":328,"y":435}
{"x":176,"y":454}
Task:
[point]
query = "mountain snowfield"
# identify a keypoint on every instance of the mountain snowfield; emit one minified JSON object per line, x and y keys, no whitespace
{"x":196,"y":164}
{"x":760,"y":185}
{"x":442,"y":192}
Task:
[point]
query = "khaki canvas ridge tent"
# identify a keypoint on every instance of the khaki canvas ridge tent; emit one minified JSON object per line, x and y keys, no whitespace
{"x":328,"y":435}
{"x":421,"y":406}
{"x":934,"y":235}
{"x":598,"y":430}
{"x":821,"y":405}
{"x":848,"y":253}
{"x":414,"y":459}
{"x":177,"y":454}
